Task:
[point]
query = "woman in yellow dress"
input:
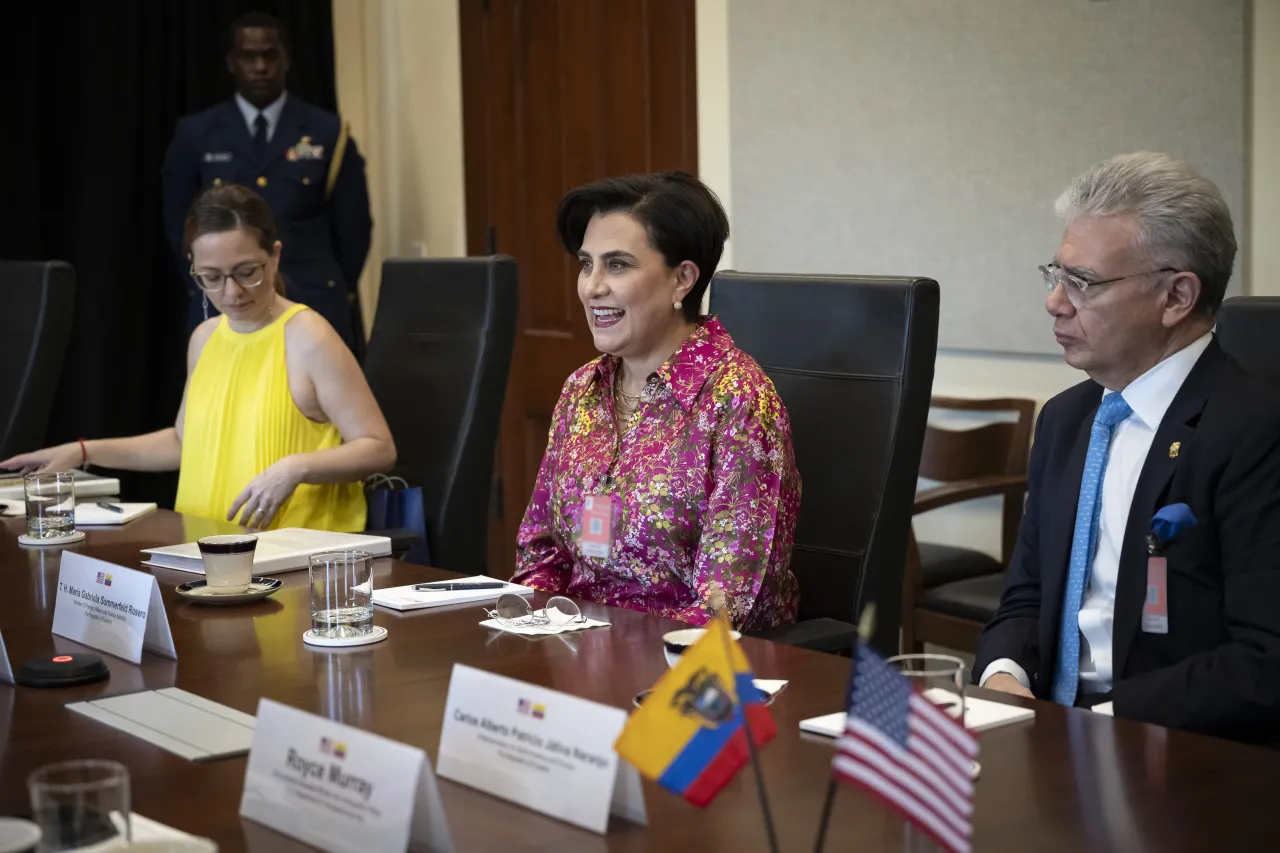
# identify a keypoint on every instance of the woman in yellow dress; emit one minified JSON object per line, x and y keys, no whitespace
{"x":277,"y":425}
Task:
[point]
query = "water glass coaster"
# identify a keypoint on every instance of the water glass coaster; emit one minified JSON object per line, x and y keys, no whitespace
{"x":78,"y":536}
{"x":377,"y":635}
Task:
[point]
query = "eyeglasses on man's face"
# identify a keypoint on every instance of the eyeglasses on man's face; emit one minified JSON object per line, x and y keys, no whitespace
{"x":1077,"y":287}
{"x":245,"y":275}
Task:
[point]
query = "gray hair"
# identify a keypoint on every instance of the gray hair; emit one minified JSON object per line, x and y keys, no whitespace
{"x":1183,"y":219}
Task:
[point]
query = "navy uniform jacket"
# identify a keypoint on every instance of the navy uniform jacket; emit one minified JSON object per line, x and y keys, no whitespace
{"x":1217,"y":670}
{"x":325,"y":241}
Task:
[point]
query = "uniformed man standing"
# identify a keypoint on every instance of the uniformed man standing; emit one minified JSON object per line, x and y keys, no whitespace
{"x":298,"y":157}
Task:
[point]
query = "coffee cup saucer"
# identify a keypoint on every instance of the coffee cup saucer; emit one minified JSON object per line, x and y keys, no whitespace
{"x":199,"y":592}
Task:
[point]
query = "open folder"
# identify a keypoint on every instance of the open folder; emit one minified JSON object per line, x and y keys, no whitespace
{"x":87,"y":486}
{"x":284,"y":550}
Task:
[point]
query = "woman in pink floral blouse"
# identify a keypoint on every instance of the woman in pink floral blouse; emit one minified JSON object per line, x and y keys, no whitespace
{"x":676,"y":433}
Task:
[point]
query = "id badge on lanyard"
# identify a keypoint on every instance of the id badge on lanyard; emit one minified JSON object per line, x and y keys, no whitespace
{"x":597,"y":526}
{"x":1155,"y":607}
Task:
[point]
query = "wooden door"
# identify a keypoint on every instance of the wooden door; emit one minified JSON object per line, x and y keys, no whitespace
{"x":557,"y":93}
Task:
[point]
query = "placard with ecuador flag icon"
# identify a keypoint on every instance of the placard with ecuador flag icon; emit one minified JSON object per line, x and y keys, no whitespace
{"x":690,"y":734}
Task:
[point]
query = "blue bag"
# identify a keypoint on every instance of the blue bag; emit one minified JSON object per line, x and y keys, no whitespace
{"x":393,"y":504}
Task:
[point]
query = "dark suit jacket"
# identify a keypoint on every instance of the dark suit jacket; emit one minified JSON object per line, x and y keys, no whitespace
{"x":1218,"y":668}
{"x":325,"y":241}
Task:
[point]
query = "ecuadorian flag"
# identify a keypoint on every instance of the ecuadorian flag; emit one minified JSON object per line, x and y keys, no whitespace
{"x":689,"y":734}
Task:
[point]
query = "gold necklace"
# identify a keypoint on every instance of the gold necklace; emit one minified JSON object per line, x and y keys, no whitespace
{"x":623,"y":403}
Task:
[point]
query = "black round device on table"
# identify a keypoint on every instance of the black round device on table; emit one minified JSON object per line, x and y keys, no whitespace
{"x":62,"y":671}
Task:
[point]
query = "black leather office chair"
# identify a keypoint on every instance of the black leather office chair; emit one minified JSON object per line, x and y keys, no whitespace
{"x":1249,"y":331}
{"x":852,"y":359}
{"x":437,"y":362}
{"x":39,"y":300}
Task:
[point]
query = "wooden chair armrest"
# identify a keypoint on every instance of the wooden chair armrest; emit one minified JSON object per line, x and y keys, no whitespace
{"x":965,"y":490}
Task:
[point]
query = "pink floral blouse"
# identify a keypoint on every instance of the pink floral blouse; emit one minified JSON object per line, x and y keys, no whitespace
{"x":703,"y":484}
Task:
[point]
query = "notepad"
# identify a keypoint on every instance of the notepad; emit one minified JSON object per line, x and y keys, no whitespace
{"x":284,"y":550}
{"x":91,"y":515}
{"x":175,"y":720}
{"x":980,"y":715}
{"x":407,"y":598}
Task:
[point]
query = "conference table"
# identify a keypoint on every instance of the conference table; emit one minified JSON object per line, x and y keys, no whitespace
{"x":1070,"y":780}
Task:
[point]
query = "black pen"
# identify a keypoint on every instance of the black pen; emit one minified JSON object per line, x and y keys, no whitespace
{"x":455,"y":587}
{"x":111,"y":507}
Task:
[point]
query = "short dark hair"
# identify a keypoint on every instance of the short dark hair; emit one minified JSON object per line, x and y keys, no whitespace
{"x":681,"y":215}
{"x":258,"y":19}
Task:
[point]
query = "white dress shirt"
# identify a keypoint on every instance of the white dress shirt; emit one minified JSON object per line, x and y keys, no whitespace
{"x":271,"y":112}
{"x":1149,"y":396}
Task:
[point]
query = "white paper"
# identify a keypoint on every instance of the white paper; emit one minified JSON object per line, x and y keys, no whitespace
{"x":339,"y":788}
{"x":980,"y":715}
{"x":768,"y":686}
{"x":146,"y":831}
{"x":6,"y":669}
{"x":180,"y":722}
{"x":540,"y":748}
{"x":543,"y":630}
{"x":285,"y":550}
{"x":408,"y":598}
{"x":91,"y":515}
{"x":110,"y":608}
{"x":1106,"y":709}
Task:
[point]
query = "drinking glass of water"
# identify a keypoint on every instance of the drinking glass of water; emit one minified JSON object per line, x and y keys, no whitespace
{"x":51,"y":505}
{"x":80,"y":804}
{"x":341,"y":594}
{"x":939,"y":677}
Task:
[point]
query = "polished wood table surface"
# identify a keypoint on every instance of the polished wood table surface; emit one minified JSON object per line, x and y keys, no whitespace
{"x":1069,"y":781}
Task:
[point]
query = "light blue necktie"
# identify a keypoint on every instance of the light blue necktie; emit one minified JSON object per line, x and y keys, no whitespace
{"x":1083,"y":545}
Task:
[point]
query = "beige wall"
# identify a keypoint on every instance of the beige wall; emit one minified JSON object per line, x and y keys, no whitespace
{"x":1264,"y":142}
{"x":400,"y":86}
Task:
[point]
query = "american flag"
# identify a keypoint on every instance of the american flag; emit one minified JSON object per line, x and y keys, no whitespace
{"x":907,"y":752}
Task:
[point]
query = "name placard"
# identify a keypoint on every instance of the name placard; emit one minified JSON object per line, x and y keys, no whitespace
{"x":546,"y":750}
{"x":111,"y":608}
{"x":339,"y":788}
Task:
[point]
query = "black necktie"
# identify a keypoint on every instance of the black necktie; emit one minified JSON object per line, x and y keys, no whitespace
{"x":260,"y":136}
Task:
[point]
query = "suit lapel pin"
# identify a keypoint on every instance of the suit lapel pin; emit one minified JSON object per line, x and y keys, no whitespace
{"x":1174,"y":448}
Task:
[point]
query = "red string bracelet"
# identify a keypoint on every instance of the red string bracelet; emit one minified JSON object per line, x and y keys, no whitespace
{"x":84,"y":453}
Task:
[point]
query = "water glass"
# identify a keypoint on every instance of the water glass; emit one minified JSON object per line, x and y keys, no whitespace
{"x":939,"y":677}
{"x":51,"y":504}
{"x":341,"y":594}
{"x":80,"y":803}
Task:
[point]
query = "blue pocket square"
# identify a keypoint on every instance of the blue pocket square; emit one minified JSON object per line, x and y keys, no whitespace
{"x":1170,"y":521}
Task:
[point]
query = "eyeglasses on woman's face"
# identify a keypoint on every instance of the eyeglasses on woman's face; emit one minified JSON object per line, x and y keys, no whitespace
{"x":246,"y":275}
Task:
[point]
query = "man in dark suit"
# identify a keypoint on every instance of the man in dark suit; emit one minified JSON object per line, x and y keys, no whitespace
{"x":298,"y":157}
{"x":1180,"y":628}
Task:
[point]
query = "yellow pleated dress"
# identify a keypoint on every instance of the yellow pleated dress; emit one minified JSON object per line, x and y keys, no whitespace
{"x":241,"y":419}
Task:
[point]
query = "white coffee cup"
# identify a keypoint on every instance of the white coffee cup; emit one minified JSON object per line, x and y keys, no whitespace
{"x":674,"y":643}
{"x":228,"y":562}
